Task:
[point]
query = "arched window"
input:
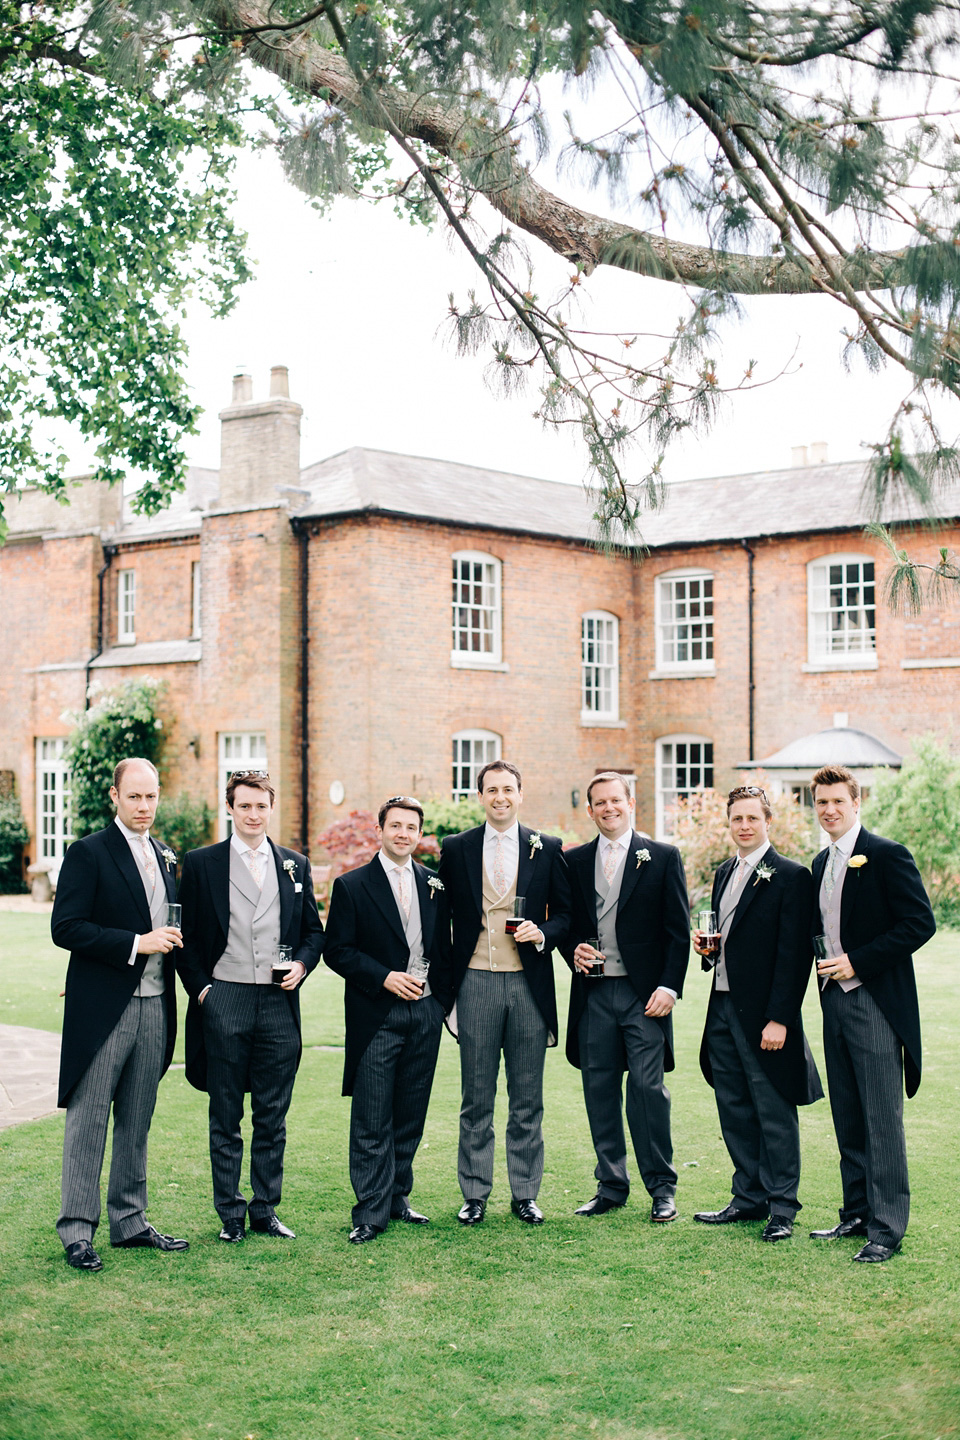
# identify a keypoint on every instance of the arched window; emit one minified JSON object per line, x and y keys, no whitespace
{"x":684,"y":622}
{"x":684,"y":765}
{"x":477,"y":626}
{"x":841,"y":612}
{"x":599,"y":667}
{"x":472,"y":749}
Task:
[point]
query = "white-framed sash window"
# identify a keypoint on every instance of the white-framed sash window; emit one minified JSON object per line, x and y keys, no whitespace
{"x":683,"y":608}
{"x":53,"y":799}
{"x":472,"y":749}
{"x":476,"y":611}
{"x":841,"y":613}
{"x":126,"y":607}
{"x":684,"y":765}
{"x":599,"y":667}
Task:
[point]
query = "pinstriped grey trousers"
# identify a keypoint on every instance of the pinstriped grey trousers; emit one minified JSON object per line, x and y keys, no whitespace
{"x":865,"y":1079}
{"x":496,"y":1012}
{"x":125,"y":1072}
{"x":390,"y":1097}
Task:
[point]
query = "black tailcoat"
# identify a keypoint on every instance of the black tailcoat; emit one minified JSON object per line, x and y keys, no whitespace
{"x":205,"y":898}
{"x":653,"y":927}
{"x":100,"y":905}
{"x":542,"y":878}
{"x":884,"y":916}
{"x":365,"y":941}
{"x":768,"y":958}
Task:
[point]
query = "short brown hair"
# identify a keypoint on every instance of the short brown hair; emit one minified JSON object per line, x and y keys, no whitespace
{"x":133,"y":760}
{"x":255,"y":779}
{"x":750,"y":792}
{"x":603,"y":775}
{"x":836,"y":775}
{"x":400,"y":802}
{"x":498,"y":765}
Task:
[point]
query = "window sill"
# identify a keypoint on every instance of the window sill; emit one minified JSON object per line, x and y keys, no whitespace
{"x":126,"y":639}
{"x":460,"y":661}
{"x":947,"y":662}
{"x":596,"y":722}
{"x":687,"y":672}
{"x":855,"y":662}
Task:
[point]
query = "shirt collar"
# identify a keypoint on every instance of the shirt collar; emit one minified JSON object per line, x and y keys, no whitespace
{"x":513,"y":834}
{"x":242,"y":847}
{"x":846,"y":842}
{"x":390,"y":865}
{"x":132,"y":834}
{"x":622,"y":840}
{"x":755,"y":856}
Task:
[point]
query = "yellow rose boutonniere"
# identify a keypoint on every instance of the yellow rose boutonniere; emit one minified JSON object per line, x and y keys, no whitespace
{"x":857,"y":862}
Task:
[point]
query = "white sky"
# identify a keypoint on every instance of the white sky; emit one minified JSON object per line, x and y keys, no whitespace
{"x":355,"y":303}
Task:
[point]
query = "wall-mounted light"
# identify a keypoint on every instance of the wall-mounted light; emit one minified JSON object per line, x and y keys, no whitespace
{"x":194,"y":745}
{"x":575,"y":799}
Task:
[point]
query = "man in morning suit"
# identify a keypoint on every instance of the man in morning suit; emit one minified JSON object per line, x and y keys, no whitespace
{"x":384,"y":930}
{"x":241,"y":900}
{"x":502,"y":986}
{"x":754,"y":1052}
{"x":630,"y":894}
{"x":119,"y":1017}
{"x":872,"y":910}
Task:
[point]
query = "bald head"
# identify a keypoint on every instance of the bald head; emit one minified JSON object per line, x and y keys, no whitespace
{"x":136,"y":793}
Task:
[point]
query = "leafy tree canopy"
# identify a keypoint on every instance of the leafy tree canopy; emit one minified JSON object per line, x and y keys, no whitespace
{"x":759,"y":149}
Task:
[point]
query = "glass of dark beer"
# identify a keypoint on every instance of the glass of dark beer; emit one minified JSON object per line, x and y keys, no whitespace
{"x":709,"y":934}
{"x":596,"y":969}
{"x":515,"y":920}
{"x":283,"y":964}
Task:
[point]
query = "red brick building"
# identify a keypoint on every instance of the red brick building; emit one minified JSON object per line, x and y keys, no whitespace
{"x":378,"y":623}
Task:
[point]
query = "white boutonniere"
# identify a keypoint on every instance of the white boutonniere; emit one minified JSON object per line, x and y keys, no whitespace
{"x":168,"y":858}
{"x":435,"y":885}
{"x":290,"y":866}
{"x":856,"y":862}
{"x":535,"y":843}
{"x":642,"y":856}
{"x":764,"y":872}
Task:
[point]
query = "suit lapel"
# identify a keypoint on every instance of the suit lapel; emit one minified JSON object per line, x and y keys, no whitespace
{"x":719,"y":884}
{"x":381,"y":893}
{"x":749,"y":891}
{"x":631,"y":870}
{"x":428,"y":908}
{"x":286,"y":883}
{"x":586,"y":875}
{"x":116,"y":844}
{"x":169,"y":876}
{"x":218,"y":875}
{"x":526,"y":861}
{"x":473,"y":860}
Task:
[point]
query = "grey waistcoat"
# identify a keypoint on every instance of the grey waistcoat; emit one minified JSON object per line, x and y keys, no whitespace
{"x":254,"y":932}
{"x":608,"y":897}
{"x":830,"y":915}
{"x":151,"y":981}
{"x":413,"y":928}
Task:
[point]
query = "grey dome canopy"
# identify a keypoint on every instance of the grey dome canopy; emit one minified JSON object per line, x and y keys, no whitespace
{"x":839,"y":745}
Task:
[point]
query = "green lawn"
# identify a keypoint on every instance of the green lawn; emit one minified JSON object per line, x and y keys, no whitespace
{"x":610,"y":1328}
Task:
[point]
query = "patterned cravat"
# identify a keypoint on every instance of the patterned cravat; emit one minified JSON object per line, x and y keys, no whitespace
{"x":255,"y":863}
{"x":499,"y":873}
{"x":830,"y":876}
{"x":611,"y":858}
{"x":149,"y":860}
{"x":403,"y":889}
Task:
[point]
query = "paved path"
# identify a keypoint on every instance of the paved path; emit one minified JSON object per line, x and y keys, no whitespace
{"x":29,"y":1067}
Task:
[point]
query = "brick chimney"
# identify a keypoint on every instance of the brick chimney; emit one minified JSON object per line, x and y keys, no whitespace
{"x":259,"y":443}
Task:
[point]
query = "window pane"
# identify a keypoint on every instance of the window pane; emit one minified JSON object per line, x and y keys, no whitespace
{"x":686,"y":766}
{"x":475,"y":605}
{"x":599,"y":663}
{"x":843,"y":617}
{"x":686,"y":620}
{"x":471,"y":751}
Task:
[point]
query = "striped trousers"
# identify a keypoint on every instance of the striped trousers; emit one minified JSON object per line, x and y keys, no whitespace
{"x":865,"y":1079}
{"x":124,"y":1073}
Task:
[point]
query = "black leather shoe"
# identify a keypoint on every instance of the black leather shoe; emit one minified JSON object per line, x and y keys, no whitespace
{"x":362,"y":1233}
{"x":150,"y":1239}
{"x":599,"y":1205}
{"x":528,"y":1211}
{"x":412,"y":1217}
{"x":874,"y":1254}
{"x":663,"y":1209}
{"x":471,"y":1212}
{"x":778,"y":1227}
{"x":728,"y":1216}
{"x":82,"y":1256}
{"x":233,"y":1231}
{"x":272,"y":1226}
{"x":856,"y":1226}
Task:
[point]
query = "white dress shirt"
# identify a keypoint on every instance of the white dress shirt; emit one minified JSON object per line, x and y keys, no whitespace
{"x":133,"y":839}
{"x":741,"y":876}
{"x":391,"y":867}
{"x":622,"y":843}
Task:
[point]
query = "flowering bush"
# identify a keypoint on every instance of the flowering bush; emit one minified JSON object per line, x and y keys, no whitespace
{"x":120,"y":723}
{"x":13,"y":836}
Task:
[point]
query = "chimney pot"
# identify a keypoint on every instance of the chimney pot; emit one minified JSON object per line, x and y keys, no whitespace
{"x":818,"y":452}
{"x":799,"y":455}
{"x":280,"y":380}
{"x":242,"y":388}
